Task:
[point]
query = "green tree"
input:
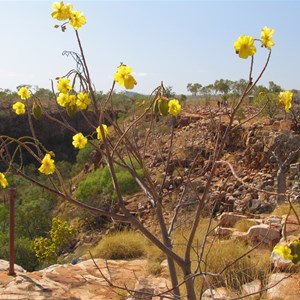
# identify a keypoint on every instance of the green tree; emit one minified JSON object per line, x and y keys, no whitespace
{"x":274,"y":88}
{"x":223,"y":87}
{"x":194,"y":88}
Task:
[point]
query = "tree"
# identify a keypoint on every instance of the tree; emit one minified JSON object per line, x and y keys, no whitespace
{"x":194,"y":88}
{"x":119,"y":146}
{"x":274,"y":88}
{"x":168,"y":91}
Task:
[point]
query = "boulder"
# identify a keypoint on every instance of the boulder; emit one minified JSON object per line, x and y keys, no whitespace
{"x":263,"y":233}
{"x":220,"y":293}
{"x":4,"y":266}
{"x":253,"y":287}
{"x":283,"y":286}
{"x":228,"y":219}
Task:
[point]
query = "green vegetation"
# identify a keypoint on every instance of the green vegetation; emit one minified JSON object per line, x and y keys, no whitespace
{"x":24,"y":253}
{"x":60,"y":238}
{"x":100,"y":181}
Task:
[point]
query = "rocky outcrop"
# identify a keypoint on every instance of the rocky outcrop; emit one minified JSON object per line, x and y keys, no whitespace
{"x":85,"y":280}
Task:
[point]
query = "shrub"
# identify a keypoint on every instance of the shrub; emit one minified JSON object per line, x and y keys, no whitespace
{"x":33,"y":205}
{"x":24,"y":253}
{"x":100,"y":181}
{"x":60,"y":237}
{"x":83,"y":154}
{"x":121,"y":245}
{"x":90,"y":186}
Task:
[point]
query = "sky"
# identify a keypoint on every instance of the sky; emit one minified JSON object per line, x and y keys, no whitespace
{"x":177,"y":42}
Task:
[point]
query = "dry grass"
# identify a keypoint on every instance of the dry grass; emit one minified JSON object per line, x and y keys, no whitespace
{"x":121,"y":245}
{"x":155,"y":257}
{"x":244,"y":224}
{"x":283,"y":209}
{"x":225,"y":259}
{"x":220,"y":254}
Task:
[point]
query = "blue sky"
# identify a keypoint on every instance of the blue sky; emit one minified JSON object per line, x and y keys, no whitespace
{"x":176,"y":42}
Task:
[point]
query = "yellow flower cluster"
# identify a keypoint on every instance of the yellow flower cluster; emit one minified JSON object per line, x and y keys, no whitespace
{"x":64,"y":12}
{"x":124,"y":78}
{"x":19,"y":107}
{"x":65,"y":99}
{"x":285,"y":98}
{"x":3,"y":180}
{"x":244,"y":45}
{"x":48,"y":166}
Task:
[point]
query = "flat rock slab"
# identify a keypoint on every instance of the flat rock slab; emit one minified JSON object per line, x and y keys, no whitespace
{"x":72,"y":282}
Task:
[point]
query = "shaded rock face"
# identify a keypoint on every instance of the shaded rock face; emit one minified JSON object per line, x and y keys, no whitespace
{"x":53,"y":136}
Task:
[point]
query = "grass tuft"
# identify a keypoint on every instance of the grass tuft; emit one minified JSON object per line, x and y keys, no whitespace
{"x":121,"y":245}
{"x":244,"y":224}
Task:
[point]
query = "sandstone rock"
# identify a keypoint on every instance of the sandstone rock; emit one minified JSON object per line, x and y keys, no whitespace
{"x":290,"y":225}
{"x":263,"y":233}
{"x":4,"y":266}
{"x":253,"y":205}
{"x":228,"y":219}
{"x":220,"y":293}
{"x":283,"y":286}
{"x":253,"y":287}
{"x":146,"y":287}
{"x":81,"y":281}
{"x":239,"y":236}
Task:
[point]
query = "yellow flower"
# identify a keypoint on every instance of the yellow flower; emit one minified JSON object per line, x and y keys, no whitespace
{"x":63,"y":85}
{"x":61,"y":12}
{"x":174,"y":107}
{"x":99,"y":134}
{"x":77,"y":19}
{"x":3,"y":180}
{"x":63,"y":99}
{"x":24,"y":93}
{"x":266,"y":37}
{"x":285,"y":98}
{"x":19,"y":108}
{"x":244,"y":46}
{"x":283,"y":251}
{"x":83,"y":100}
{"x":47,"y":166}
{"x":79,"y":140}
{"x":72,"y":100}
{"x":124,"y":78}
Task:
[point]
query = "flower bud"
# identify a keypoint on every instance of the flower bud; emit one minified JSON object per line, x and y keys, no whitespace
{"x":163,"y":106}
{"x":37,"y":111}
{"x":71,"y":110}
